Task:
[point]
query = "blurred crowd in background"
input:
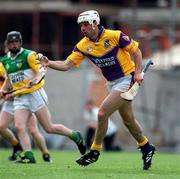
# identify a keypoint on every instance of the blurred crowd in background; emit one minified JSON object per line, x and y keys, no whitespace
{"x":50,"y":26}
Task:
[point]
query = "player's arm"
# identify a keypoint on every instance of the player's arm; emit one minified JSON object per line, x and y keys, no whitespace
{"x":74,"y":59}
{"x":39,"y":73}
{"x":137,"y":56}
{"x":60,"y":65}
{"x":131,"y":46}
{"x":5,"y":87}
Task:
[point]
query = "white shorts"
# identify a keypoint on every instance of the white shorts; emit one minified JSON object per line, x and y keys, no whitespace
{"x":31,"y":101}
{"x":8,"y":107}
{"x":121,"y":84}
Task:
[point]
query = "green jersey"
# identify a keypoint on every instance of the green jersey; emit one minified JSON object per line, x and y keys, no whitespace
{"x":21,"y":69}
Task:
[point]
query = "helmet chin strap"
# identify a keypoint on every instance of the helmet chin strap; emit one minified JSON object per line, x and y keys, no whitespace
{"x":93,"y":26}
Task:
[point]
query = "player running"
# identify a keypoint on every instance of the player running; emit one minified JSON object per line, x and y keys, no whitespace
{"x":7,"y":117}
{"x":120,"y":61}
{"x":22,"y":70}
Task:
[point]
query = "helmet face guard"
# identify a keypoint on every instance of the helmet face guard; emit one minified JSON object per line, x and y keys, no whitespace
{"x":89,"y":16}
{"x":13,"y":35}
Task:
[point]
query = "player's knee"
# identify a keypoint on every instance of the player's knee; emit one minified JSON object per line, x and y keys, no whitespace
{"x":20,"y":128}
{"x":49,"y":129}
{"x":33,"y":132}
{"x":102,"y":115}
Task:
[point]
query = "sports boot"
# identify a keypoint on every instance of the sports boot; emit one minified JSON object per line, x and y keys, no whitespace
{"x":17,"y":150}
{"x":147,"y":157}
{"x":89,"y":158}
{"x":47,"y":158}
{"x":28,"y":158}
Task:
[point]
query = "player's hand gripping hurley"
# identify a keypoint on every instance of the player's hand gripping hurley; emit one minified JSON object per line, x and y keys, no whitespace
{"x":132,"y":92}
{"x":32,"y":83}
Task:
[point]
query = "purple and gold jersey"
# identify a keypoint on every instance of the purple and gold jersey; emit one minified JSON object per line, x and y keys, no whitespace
{"x":111,"y":53}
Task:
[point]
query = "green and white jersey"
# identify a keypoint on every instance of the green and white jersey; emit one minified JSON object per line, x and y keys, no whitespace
{"x":21,"y":68}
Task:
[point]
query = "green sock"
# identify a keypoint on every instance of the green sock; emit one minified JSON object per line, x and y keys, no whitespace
{"x":29,"y":154}
{"x":75,"y":136}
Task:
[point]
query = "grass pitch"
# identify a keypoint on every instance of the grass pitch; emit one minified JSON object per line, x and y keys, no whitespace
{"x":117,"y":165}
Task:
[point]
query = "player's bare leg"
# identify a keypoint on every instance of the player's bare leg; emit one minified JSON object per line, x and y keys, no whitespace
{"x":8,"y":135}
{"x":135,"y":129}
{"x":38,"y":137}
{"x":130,"y":122}
{"x":44,"y":117}
{"x":109,"y":105}
{"x":21,"y":118}
{"x":112,"y":103}
{"x":5,"y":120}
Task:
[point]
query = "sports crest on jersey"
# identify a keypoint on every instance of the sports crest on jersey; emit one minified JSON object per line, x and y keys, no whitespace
{"x":89,"y":49}
{"x":106,"y":43}
{"x":7,"y":66}
{"x":126,"y":38}
{"x":19,"y":64}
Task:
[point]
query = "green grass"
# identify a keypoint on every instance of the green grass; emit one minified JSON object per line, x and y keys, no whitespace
{"x":122,"y":165}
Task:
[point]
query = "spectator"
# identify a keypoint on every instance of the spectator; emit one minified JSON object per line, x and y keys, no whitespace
{"x":90,"y":115}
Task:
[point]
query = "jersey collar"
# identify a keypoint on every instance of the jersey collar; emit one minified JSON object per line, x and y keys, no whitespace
{"x":101,"y":31}
{"x":9,"y":54}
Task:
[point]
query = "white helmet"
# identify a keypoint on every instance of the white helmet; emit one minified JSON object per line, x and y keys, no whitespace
{"x":89,"y":16}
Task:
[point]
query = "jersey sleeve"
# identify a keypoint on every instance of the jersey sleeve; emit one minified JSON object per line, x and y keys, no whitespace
{"x":32,"y":61}
{"x":2,"y":71}
{"x":76,"y":56}
{"x":128,"y":44}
